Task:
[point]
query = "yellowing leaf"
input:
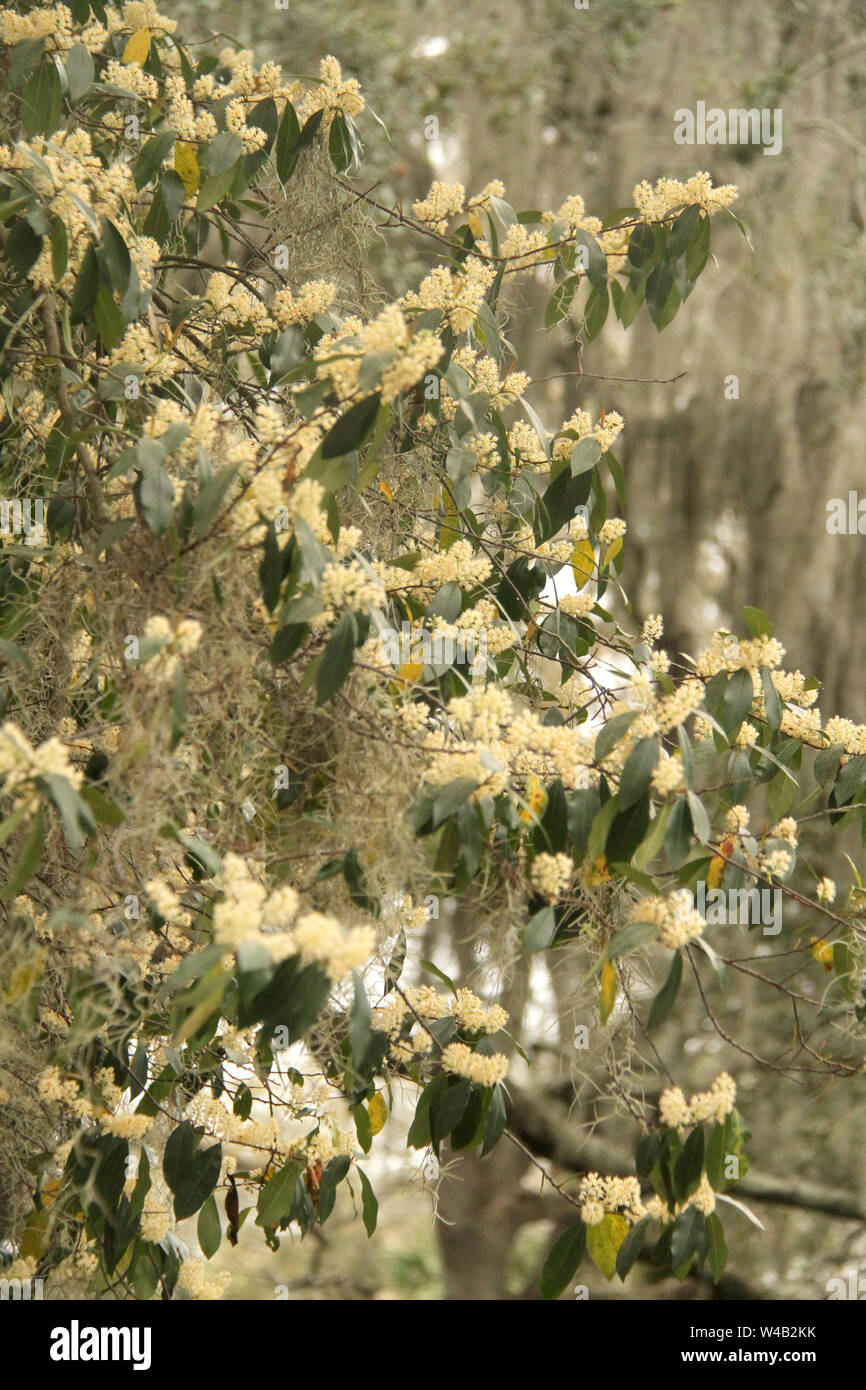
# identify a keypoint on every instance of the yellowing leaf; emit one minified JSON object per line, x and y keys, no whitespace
{"x":186,"y":164}
{"x":137,"y":48}
{"x":715,"y":871}
{"x":34,"y":1236}
{"x":411,"y":671}
{"x":603,"y":1242}
{"x":597,"y":872}
{"x":378,"y":1112}
{"x":536,"y":800}
{"x":475,"y":226}
{"x":23,"y":979}
{"x":612,"y":551}
{"x":583,"y":563}
{"x":822,"y":951}
{"x":385,"y":490}
{"x":448,"y":534}
{"x":609,"y":987}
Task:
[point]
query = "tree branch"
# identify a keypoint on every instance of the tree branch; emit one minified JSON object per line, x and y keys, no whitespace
{"x":542,"y":1128}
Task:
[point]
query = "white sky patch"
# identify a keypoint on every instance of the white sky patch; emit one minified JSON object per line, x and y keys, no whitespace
{"x":445,"y":155}
{"x":433,"y":46}
{"x":554,"y":591}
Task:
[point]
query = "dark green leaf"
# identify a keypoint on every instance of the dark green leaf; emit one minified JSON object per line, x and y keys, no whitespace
{"x":115,"y":256}
{"x":595,"y":313}
{"x":79,"y":72}
{"x":718,"y":1254}
{"x":22,"y":246}
{"x":638,"y":771}
{"x":333,"y":1174}
{"x":563,"y":1260}
{"x":154,"y":497}
{"x":641,"y":245}
{"x":287,"y":138}
{"x":690,"y":1164}
{"x":278,"y":1194}
{"x":370,"y":1203}
{"x":666,"y":997}
{"x":337,"y":658}
{"x":496,"y":1118}
{"x":539,"y":932}
{"x":41,"y":101}
{"x":148,"y":164}
{"x":351,"y":429}
{"x":340,"y":144}
{"x":208,"y":1228}
{"x":631,"y":1247}
{"x":682,"y":232}
{"x":192,"y":1176}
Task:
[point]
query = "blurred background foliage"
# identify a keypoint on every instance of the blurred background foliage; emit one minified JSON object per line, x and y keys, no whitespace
{"x":726,"y":505}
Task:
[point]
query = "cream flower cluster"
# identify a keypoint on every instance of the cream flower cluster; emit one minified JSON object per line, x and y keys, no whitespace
{"x":654,"y":202}
{"x":576,"y":605}
{"x":678,"y":920}
{"x":457,"y":293}
{"x":314,"y":297}
{"x":703,"y":1198}
{"x":252,"y":137}
{"x":499,"y":740}
{"x":714,"y":1105}
{"x":443,"y":201}
{"x":737,"y":819}
{"x":551,"y":874}
{"x":248,"y":913}
{"x":114,"y":1115}
{"x":612,"y":530}
{"x":525,"y":447}
{"x":494,"y":189}
{"x":846,"y":732}
{"x":825,"y":890}
{"x":144,"y":14}
{"x":351,"y":586}
{"x":427,"y":1003}
{"x":339,"y":355}
{"x":179,"y":639}
{"x":201,"y":1282}
{"x":483,"y":372}
{"x":21,"y":764}
{"x":57,"y":26}
{"x":203,"y":425}
{"x":521,"y":246}
{"x":70,"y":180}
{"x":727,"y":653}
{"x":476,"y":1067}
{"x":669,"y":775}
{"x":278,"y":1134}
{"x":165,"y":900}
{"x":599,"y":1196}
{"x":238,"y":308}
{"x":459,"y":564}
{"x":580,"y":424}
{"x":335,"y":94}
{"x":138,"y":348}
